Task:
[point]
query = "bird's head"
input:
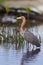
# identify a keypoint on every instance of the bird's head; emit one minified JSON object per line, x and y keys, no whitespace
{"x":21,"y":17}
{"x":18,"y":18}
{"x":23,"y":22}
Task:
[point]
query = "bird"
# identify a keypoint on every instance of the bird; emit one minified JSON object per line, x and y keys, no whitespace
{"x":28,"y":36}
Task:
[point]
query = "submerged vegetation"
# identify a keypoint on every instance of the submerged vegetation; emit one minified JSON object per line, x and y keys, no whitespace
{"x":11,"y":38}
{"x":8,"y":38}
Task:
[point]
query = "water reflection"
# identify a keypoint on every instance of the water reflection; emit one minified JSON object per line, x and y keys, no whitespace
{"x":29,"y":56}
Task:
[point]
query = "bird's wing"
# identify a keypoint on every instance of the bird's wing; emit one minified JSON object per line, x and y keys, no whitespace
{"x":30,"y":37}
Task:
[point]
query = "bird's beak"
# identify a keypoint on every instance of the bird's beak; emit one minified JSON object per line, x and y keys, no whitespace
{"x":18,"y":17}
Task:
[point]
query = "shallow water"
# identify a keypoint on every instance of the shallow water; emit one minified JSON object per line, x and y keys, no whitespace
{"x":10,"y":55}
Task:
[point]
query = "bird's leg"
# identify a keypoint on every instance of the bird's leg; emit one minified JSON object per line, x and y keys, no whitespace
{"x":33,"y":48}
{"x":27,"y":46}
{"x":30,"y":45}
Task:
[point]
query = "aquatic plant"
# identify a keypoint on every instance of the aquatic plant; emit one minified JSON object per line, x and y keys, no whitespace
{"x":21,"y":39}
{"x":7,"y":9}
{"x":8,"y":38}
{"x":28,"y":9}
{"x":3,"y":34}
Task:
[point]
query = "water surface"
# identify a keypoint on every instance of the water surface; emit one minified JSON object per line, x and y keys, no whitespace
{"x":11,"y":55}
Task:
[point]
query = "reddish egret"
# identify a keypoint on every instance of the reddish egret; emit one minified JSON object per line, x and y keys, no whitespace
{"x":28,"y":36}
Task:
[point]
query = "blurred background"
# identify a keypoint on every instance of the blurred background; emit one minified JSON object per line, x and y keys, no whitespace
{"x":14,"y":49}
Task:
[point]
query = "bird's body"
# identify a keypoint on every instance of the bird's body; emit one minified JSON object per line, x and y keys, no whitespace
{"x":28,"y":36}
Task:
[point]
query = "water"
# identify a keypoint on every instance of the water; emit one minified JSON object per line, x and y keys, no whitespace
{"x":11,"y":55}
